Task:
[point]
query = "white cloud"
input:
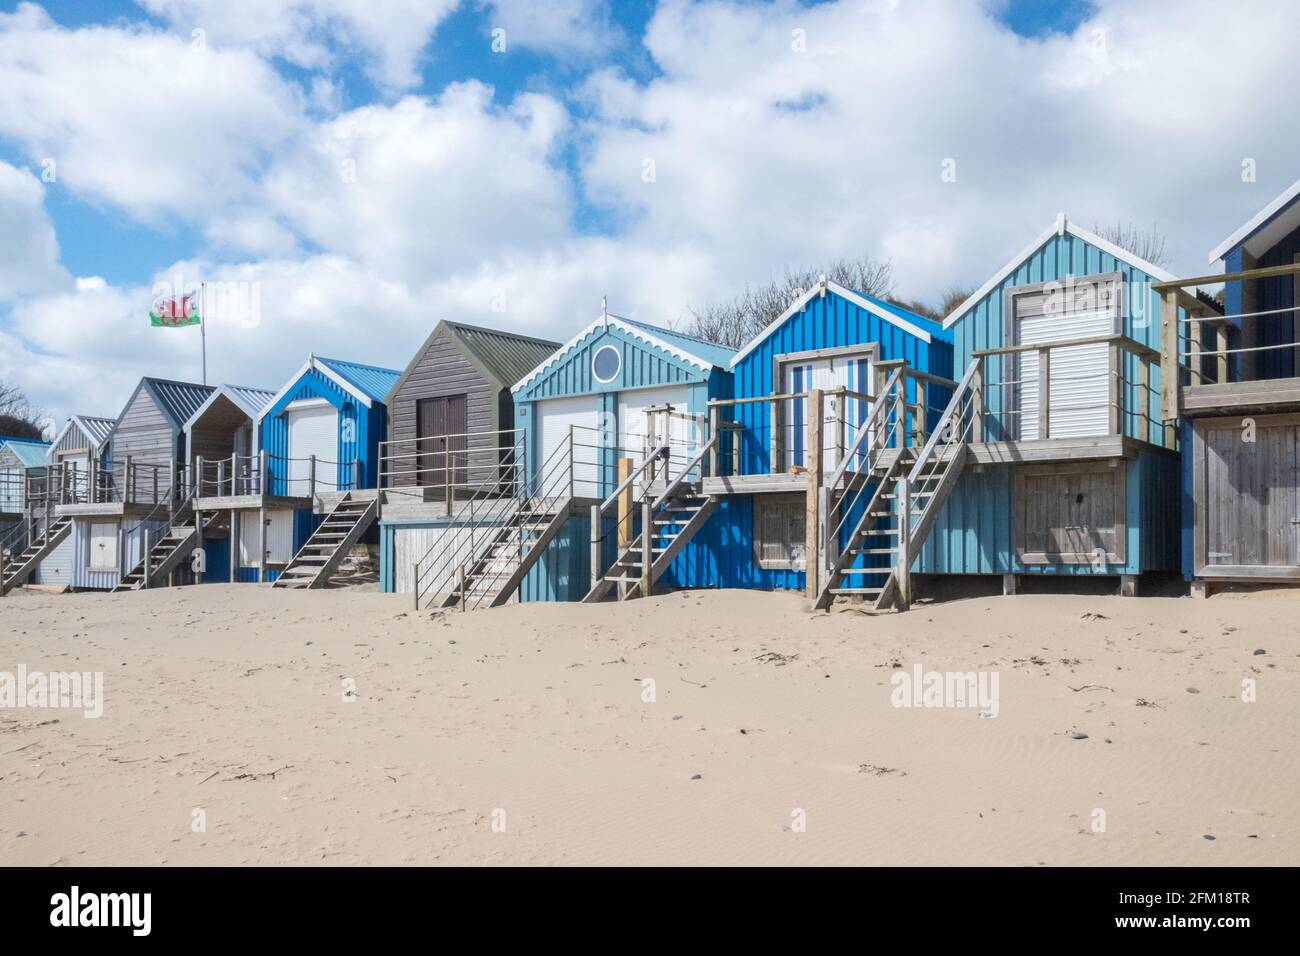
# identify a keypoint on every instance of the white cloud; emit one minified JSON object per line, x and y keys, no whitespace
{"x":562,"y":28}
{"x":30,"y":262}
{"x":389,"y":35}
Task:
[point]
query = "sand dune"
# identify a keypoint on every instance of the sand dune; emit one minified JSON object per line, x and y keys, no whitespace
{"x":772,"y":737}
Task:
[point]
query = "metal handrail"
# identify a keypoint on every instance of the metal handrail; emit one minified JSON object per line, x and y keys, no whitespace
{"x":627,"y":482}
{"x":676,"y":483}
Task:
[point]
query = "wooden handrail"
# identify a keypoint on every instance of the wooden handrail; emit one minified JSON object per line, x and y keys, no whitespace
{"x":866,"y":430}
{"x":1130,"y":345}
{"x":627,"y":482}
{"x":676,"y":482}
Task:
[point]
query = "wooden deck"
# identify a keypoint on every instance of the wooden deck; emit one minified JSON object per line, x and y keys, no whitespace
{"x":248,"y":502}
{"x":112,"y":509}
{"x":1226,"y":397}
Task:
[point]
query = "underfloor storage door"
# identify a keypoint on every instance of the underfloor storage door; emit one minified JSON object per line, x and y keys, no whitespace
{"x":1246,"y":500}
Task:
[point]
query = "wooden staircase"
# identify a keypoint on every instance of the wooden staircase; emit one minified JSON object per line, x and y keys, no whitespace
{"x":18,"y":567}
{"x":903,"y":508}
{"x":494,"y":574}
{"x":676,"y":519}
{"x":167,"y":553}
{"x":329,"y":544}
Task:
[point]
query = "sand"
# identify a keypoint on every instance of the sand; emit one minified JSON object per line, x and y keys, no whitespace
{"x":521,"y":736}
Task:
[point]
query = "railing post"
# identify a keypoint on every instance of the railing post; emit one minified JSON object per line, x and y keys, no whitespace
{"x":647,"y":540}
{"x":841,"y":426}
{"x":596,"y":569}
{"x":356,"y":474}
{"x":812,"y":506}
{"x":977,"y":402}
{"x":1044,"y":393}
{"x":921,"y":422}
{"x":234,"y":473}
{"x":221,"y":475}
{"x":311,"y":476}
{"x":92,"y":479}
{"x":903,"y":570}
{"x":1169,"y":361}
{"x":900,"y":414}
{"x":1115,"y":390}
{"x":1221,"y":346}
{"x":261,"y":472}
{"x":148,"y":555}
{"x":198,"y":477}
{"x":128,"y":487}
{"x":572,"y":460}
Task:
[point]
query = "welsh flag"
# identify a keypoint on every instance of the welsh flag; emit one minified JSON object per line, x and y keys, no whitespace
{"x":176,"y":311}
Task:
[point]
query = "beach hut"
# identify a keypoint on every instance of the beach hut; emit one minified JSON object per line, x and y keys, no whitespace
{"x":1232,"y":374}
{"x":125,"y":505}
{"x":819,"y":396}
{"x":253,"y":533}
{"x":321,"y":433}
{"x":79,"y":445}
{"x":452,"y":438}
{"x":21,"y":461}
{"x":585,"y":414}
{"x":1055,"y":459}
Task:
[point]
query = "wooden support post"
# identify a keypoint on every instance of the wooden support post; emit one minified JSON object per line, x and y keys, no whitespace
{"x":903,"y":570}
{"x":777,"y":443}
{"x":841,"y":407}
{"x":1044,"y":393}
{"x":647,"y":544}
{"x":148,"y":556}
{"x":356,"y":473}
{"x":1115,"y":390}
{"x":715,"y":429}
{"x":128,"y":486}
{"x":596,"y":569}
{"x":1169,"y":362}
{"x":900,"y":415}
{"x":921,"y":423}
{"x":92,"y":489}
{"x":198,"y":544}
{"x":1221,"y":346}
{"x":311,"y":476}
{"x":1200,"y":588}
{"x":196,"y":483}
{"x":624,"y":504}
{"x":261,"y":545}
{"x":234,"y":545}
{"x":234,"y":473}
{"x":977,"y":403}
{"x":735,"y":451}
{"x":1194,"y":349}
{"x":1128,"y":585}
{"x":4,"y":560}
{"x":261,"y":473}
{"x":813,"y":557}
{"x":1010,"y":583}
{"x":221,"y":476}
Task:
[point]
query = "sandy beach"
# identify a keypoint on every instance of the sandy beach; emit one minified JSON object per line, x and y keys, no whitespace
{"x":342,"y":727}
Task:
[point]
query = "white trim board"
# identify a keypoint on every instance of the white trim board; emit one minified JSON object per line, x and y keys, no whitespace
{"x":1061,"y":227}
{"x":333,"y":376}
{"x":625,"y":326}
{"x":1261,"y":217}
{"x":843,"y":293}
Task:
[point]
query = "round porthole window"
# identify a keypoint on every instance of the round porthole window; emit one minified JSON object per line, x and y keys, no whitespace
{"x":605,"y":364}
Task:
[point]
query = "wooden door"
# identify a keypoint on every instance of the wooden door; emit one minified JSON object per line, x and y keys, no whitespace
{"x":1250,"y":496}
{"x":440,"y":426}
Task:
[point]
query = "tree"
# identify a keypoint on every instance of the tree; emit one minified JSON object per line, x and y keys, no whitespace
{"x":736,"y":321}
{"x":18,"y":417}
{"x":1146,"y":244}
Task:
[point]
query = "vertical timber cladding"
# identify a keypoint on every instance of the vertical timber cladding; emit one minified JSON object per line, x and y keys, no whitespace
{"x":1244,"y":490}
{"x":1072,"y":514}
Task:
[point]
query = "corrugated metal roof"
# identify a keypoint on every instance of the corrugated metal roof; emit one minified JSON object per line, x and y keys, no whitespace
{"x":179,"y":400}
{"x":506,"y":356}
{"x":374,"y":381}
{"x":97,"y":429}
{"x":710,"y":351}
{"x":29,"y":453}
{"x":252,"y":399}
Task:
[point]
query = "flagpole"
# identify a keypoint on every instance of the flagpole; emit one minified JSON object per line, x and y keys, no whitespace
{"x":203,"y":326}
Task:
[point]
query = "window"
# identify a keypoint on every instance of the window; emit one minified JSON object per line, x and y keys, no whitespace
{"x":779,"y":539}
{"x":606,"y":363}
{"x":103,"y":546}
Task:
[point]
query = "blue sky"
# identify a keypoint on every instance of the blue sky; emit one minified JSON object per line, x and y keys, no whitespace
{"x":366,"y":167}
{"x":99,"y":240}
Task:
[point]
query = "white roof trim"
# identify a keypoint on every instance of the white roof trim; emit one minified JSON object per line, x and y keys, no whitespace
{"x":1058,"y":228}
{"x":614,"y":321}
{"x":843,"y":293}
{"x":1258,"y":220}
{"x":49,"y":453}
{"x":329,"y":373}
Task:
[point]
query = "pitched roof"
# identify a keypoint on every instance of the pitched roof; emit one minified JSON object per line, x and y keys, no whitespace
{"x":917,"y":325}
{"x":503,"y":357}
{"x":372,"y":380}
{"x":1060,"y":227}
{"x":96,"y":428}
{"x":29,"y":453}
{"x":178,"y":400}
{"x":251,"y":401}
{"x":703,"y":355}
{"x":1278,"y":219}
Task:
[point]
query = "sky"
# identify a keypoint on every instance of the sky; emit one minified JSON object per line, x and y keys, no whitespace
{"x":345,"y":173}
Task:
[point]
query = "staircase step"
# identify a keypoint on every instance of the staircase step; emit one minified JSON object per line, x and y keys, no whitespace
{"x":873,"y":550}
{"x":866,"y":571}
{"x":865,"y":592}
